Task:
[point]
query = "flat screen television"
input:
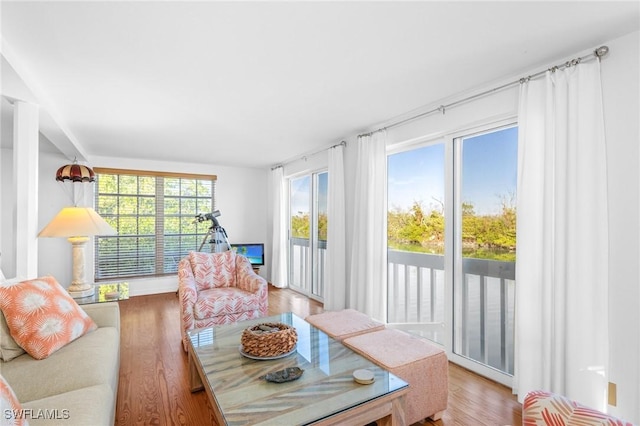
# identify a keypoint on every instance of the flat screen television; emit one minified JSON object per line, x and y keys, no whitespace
{"x":252,"y":251}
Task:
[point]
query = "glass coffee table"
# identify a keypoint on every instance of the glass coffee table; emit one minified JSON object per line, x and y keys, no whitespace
{"x":106,"y":292}
{"x":325,"y":394}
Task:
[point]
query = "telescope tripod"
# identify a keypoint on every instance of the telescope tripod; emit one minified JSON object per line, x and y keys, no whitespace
{"x":218,"y":237}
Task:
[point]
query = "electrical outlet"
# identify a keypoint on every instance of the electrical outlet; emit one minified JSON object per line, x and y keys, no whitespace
{"x":612,"y":392}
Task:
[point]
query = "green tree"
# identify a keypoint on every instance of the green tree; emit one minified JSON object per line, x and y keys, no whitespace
{"x":300,"y":226}
{"x":322,"y":227}
{"x":483,"y":236}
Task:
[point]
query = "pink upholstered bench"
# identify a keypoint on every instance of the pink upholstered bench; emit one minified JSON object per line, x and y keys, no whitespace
{"x":340,"y":325}
{"x":416,"y":361}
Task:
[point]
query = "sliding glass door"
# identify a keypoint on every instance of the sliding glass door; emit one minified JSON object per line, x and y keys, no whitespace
{"x":308,"y":233}
{"x":485,"y":236}
{"x":416,"y":240}
{"x":451,"y":245}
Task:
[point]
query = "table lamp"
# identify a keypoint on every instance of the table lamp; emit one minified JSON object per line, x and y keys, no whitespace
{"x":77,"y":224}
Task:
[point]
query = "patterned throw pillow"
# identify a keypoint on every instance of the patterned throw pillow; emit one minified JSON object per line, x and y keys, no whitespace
{"x":41,"y":315}
{"x":213,"y":270}
{"x":11,"y":409}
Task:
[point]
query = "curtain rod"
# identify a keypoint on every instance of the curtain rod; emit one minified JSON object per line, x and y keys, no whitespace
{"x":304,"y":157}
{"x":598,"y":53}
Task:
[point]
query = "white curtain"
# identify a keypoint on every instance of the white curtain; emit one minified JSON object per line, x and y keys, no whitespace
{"x":335,"y":287}
{"x":367,"y":280}
{"x":279,"y":243}
{"x":561,"y":329}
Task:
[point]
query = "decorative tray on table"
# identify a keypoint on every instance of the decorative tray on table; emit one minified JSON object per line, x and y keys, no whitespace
{"x":265,"y":358}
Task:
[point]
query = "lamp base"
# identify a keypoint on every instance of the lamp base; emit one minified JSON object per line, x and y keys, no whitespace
{"x":79,"y":294}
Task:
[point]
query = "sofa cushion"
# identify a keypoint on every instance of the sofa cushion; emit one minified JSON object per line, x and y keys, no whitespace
{"x":92,"y":405}
{"x":41,"y":315}
{"x":11,"y":408}
{"x":343,"y":324}
{"x":90,"y":360}
{"x":9,"y":349}
{"x":415,"y":360}
{"x":221,"y":301}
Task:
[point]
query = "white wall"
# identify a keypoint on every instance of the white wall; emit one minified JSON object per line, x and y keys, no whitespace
{"x":242,"y":200}
{"x":7,"y":255}
{"x":620,"y":76}
{"x":620,"y":86}
{"x":240,"y":197}
{"x":54,"y":254}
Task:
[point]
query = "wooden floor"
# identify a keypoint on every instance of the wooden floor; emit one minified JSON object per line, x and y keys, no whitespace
{"x":154,"y":388}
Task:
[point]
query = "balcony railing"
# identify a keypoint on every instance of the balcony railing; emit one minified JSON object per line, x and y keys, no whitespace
{"x":300,"y":255}
{"x":484,"y":303}
{"x":485,"y":299}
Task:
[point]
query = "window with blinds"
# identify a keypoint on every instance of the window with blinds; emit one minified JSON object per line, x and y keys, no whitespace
{"x":154,"y":214}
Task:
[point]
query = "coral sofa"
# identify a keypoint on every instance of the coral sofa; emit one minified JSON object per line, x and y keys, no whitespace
{"x":75,"y":385}
{"x":218,"y":288}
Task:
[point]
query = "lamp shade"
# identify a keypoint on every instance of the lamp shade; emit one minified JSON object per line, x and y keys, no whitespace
{"x":75,"y":173}
{"x":77,"y":222}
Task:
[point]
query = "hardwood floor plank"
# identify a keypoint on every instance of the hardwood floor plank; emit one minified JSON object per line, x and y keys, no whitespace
{"x":154,"y":371}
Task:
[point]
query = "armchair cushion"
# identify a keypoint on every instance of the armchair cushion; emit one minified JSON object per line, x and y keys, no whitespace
{"x":213,"y":271}
{"x":217,"y":301}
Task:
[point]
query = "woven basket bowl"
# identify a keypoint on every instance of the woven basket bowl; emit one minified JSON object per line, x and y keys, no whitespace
{"x":259,"y":343}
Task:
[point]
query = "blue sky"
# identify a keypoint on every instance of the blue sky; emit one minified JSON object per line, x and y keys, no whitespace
{"x":301,"y":190}
{"x":416,"y":175}
{"x":488,"y":173}
{"x":489,"y":169}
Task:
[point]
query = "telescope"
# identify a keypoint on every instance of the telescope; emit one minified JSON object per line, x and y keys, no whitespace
{"x":201,"y":217}
{"x":216,"y":235}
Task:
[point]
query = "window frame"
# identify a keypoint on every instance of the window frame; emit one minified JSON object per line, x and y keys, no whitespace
{"x":160,"y":234}
{"x":453,"y":259}
{"x":314,"y":264}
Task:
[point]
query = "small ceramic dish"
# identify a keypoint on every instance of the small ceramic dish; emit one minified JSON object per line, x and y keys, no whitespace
{"x":364,"y":377}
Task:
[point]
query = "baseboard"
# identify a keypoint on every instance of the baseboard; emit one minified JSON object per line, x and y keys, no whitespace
{"x":142,"y":287}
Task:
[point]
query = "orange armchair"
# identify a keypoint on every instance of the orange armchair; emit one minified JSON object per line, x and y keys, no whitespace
{"x":218,"y":288}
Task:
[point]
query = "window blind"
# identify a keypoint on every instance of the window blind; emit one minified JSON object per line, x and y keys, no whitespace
{"x":154,"y":215}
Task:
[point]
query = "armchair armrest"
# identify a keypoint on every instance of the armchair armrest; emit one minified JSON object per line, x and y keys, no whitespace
{"x":188,"y":295}
{"x":104,"y":314}
{"x":247,"y":279}
{"x":187,"y":290}
{"x":253,"y":283}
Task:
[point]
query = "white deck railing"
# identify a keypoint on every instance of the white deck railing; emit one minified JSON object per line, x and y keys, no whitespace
{"x":484,"y":302}
{"x":485,"y":299}
{"x":300,"y":278}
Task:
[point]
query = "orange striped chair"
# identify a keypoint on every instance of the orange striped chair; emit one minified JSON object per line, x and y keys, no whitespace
{"x":218,"y":288}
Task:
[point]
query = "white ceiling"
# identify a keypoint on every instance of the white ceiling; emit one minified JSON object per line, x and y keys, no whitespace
{"x":258,"y":83}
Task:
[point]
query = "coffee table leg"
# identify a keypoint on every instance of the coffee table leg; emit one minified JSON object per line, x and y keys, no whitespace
{"x":398,"y":410}
{"x":397,"y":416}
{"x":195,"y":380}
